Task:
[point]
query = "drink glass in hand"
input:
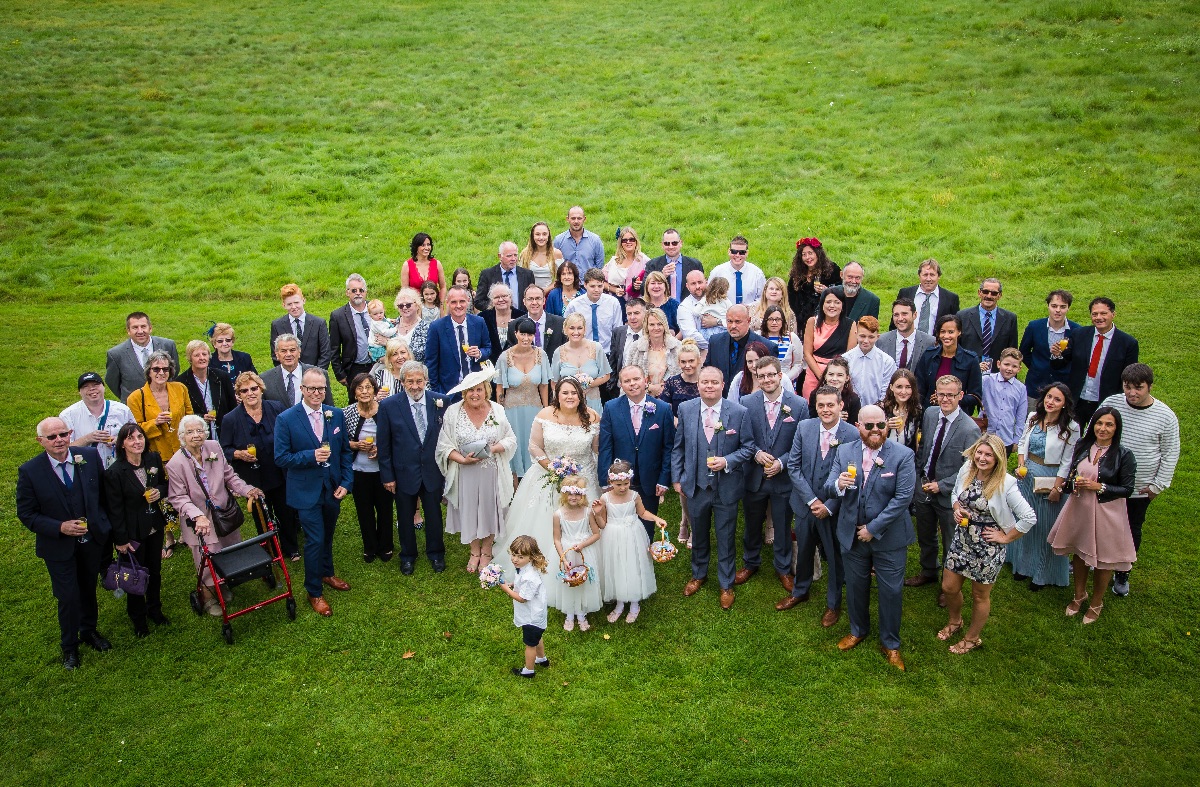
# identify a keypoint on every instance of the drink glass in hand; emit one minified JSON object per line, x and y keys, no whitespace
{"x":252,"y":449}
{"x":146,"y":494}
{"x":852,"y":471}
{"x":83,"y":523}
{"x":709,"y":464}
{"x":324,"y":445}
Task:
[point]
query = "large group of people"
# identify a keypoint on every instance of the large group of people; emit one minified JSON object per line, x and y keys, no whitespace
{"x":563,"y":397}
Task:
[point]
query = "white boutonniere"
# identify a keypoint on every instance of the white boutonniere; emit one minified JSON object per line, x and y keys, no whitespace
{"x":151,"y":471}
{"x":834,"y":442}
{"x":438,"y":403}
{"x":78,"y":460}
{"x":650,"y":407}
{"x":878,"y":462}
{"x":787,"y":410}
{"x":491,"y":420}
{"x":549,"y":331}
{"x":329,"y":415}
{"x":719,"y":427}
{"x":212,"y":457}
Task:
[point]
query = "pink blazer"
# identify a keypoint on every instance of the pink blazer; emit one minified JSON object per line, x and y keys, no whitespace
{"x":186,"y":495}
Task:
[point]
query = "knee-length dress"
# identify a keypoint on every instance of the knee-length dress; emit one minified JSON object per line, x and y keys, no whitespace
{"x":1098,"y":533}
{"x":969,"y":555}
{"x":628,"y":573}
{"x":522,"y":402}
{"x":1032,"y":555}
{"x":586,"y":597}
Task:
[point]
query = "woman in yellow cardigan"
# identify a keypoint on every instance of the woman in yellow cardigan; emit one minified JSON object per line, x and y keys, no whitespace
{"x":158,"y":406}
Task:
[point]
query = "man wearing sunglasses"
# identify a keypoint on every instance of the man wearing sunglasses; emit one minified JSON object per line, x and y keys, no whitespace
{"x":349,"y":334}
{"x":746,"y":280}
{"x":674,"y":264}
{"x":988,"y":329}
{"x":58,"y":498}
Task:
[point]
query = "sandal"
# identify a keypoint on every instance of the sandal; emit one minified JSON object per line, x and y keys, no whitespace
{"x":473,"y":563}
{"x":949,"y":631}
{"x":168,"y":552}
{"x":1092,"y":615}
{"x":569,"y":623}
{"x":1076,"y":605}
{"x":616,"y":614}
{"x":965,"y":645}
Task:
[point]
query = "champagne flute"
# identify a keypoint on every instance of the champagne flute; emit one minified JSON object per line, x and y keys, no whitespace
{"x":83,"y":523}
{"x":852,"y":471}
{"x":252,"y":449}
{"x":712,"y":454}
{"x":146,"y":494}
{"x":325,"y":445}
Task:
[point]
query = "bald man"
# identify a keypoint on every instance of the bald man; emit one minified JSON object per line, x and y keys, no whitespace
{"x":727,"y":349}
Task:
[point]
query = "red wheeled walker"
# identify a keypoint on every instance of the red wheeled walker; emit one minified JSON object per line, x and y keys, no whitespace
{"x":254,"y":558}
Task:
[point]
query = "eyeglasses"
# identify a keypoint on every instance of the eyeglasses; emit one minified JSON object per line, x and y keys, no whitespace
{"x":954,"y":395}
{"x":160,"y":369}
{"x":223,"y":340}
{"x":59,"y":436}
{"x":314,"y":388}
{"x":738,"y":252}
{"x":670,"y":243}
{"x":992,"y":293}
{"x":248,"y":390}
{"x":869,"y":425}
{"x":358,"y":289}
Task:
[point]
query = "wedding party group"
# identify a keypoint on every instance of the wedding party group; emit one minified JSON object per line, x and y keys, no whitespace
{"x":542,"y":412}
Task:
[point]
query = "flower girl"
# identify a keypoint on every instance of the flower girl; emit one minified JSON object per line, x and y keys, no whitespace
{"x":574,"y":531}
{"x":627,"y":575}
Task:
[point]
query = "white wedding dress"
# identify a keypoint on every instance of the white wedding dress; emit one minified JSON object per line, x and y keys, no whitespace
{"x":532,"y":510}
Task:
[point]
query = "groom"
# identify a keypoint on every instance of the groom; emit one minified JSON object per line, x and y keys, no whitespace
{"x":641,"y":430}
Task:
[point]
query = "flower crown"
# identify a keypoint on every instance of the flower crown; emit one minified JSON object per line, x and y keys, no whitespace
{"x":574,"y":490}
{"x":626,"y":476}
{"x":816,"y":244}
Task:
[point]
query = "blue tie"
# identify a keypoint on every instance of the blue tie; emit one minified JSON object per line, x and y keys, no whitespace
{"x":65,"y":475}
{"x":737,"y":289}
{"x":987,"y":334}
{"x":733,"y":356}
{"x":595,"y":322}
{"x":508,"y":282}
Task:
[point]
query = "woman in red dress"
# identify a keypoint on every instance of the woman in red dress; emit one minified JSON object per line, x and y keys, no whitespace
{"x":422,"y":266}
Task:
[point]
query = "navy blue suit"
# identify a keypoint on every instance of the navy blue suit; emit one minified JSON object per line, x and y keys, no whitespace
{"x":410,"y":463}
{"x":648,"y":451}
{"x":720,"y":354}
{"x":807,"y":470}
{"x":880,"y":502}
{"x":775,"y":492}
{"x":310,"y":487}
{"x":43,"y":504}
{"x":443,"y":351}
{"x":1035,"y":349}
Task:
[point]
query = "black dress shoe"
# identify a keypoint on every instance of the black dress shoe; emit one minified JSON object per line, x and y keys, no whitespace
{"x":406,"y":566}
{"x":439,"y":565}
{"x":521,"y":674}
{"x":70,"y":658}
{"x":368,"y":558}
{"x":1019,"y":577}
{"x":385,"y":556}
{"x":141,"y":630}
{"x":158,"y":618}
{"x":95,"y":640}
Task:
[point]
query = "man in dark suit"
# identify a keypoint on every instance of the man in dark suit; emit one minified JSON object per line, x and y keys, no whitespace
{"x":674,"y":264}
{"x":904,"y":342}
{"x":987,"y":329}
{"x":857,"y":301}
{"x":641,"y":430}
{"x":1040,"y":350}
{"x":447,"y":360}
{"x":946,"y":432}
{"x":58,"y":498}
{"x":505,"y":272}
{"x":350,"y":333}
{"x":548,"y":328}
{"x":712,"y":445}
{"x":282,"y":383}
{"x":310,"y":330}
{"x":809,"y":462}
{"x":623,"y":337}
{"x":125,"y":367}
{"x":1097,"y":357}
{"x":727,"y":350}
{"x":773,"y":415}
{"x":313,"y":448}
{"x":873,"y":528}
{"x":931,"y":299}
{"x":407,"y":422}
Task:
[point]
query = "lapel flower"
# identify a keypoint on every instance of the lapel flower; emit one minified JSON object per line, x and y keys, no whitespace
{"x":212,"y":457}
{"x":549,"y":331}
{"x":329,"y":415}
{"x":650,"y":407}
{"x":719,"y":427}
{"x":78,"y":460}
{"x":438,"y":403}
{"x":151,"y":471}
{"x":491,"y":420}
{"x":787,"y":410}
{"x":834,"y":442}
{"x":879,"y":461}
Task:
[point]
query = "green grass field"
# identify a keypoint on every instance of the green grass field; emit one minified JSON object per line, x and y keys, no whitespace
{"x":188,"y":159}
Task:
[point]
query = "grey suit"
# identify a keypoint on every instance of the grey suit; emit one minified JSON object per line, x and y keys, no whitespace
{"x":775,"y":492}
{"x":315,"y":349}
{"x":807,"y":470}
{"x":880,"y":502}
{"x":1004,"y":332}
{"x":918,"y":343}
{"x":276,"y":389}
{"x":935,"y":512}
{"x":123,"y":371}
{"x":716,"y":494}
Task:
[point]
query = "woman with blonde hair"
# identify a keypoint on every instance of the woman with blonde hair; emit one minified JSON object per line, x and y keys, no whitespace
{"x":540,"y":256}
{"x":774,"y":294}
{"x":990,"y":512}
{"x":226,"y":359}
{"x":656,"y":351}
{"x":386,"y":372}
{"x":581,"y":359}
{"x":411,"y":327}
{"x":624,"y":272}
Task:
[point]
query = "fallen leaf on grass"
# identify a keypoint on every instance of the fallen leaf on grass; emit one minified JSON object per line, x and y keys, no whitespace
{"x":446,"y":634}
{"x":408,"y":654}
{"x":606,"y":636}
{"x":564,"y":683}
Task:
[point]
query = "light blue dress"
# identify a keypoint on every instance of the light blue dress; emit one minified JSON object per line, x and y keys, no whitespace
{"x":593,"y":367}
{"x":522,"y":402}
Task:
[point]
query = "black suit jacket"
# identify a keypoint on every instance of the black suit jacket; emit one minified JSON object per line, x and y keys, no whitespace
{"x":490,"y":276}
{"x":1122,"y":352}
{"x":688,"y":264}
{"x":127,"y":509}
{"x":220,"y":389}
{"x":43,"y":504}
{"x":720,"y":347}
{"x":1004,"y":332}
{"x":553,"y":335}
{"x":397,"y":436}
{"x":947,"y":303}
{"x":343,"y":341}
{"x":489,"y":317}
{"x":314,"y":345}
{"x":616,"y":359}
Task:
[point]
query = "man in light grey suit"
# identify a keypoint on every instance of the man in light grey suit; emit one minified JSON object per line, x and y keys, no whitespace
{"x":946,"y":431}
{"x":904,"y":342}
{"x":873,"y":527}
{"x":125,"y":367}
{"x":282,"y":383}
{"x":712,"y":444}
{"x":809,"y":462}
{"x":773,"y":414}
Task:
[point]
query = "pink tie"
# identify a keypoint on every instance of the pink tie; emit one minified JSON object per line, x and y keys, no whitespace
{"x":824,"y":443}
{"x":317,"y":427}
{"x":771,"y":413}
{"x":868,"y":463}
{"x":637,"y":418}
{"x":710,"y":424}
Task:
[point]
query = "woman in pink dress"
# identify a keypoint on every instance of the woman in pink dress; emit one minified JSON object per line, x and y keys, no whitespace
{"x":422,"y":266}
{"x":1093,"y":526}
{"x":827,"y":335}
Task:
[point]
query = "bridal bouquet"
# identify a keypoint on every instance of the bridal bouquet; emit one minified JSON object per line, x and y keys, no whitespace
{"x":490,"y":576}
{"x":560,"y":468}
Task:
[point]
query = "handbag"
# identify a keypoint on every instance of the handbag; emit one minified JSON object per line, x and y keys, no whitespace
{"x":131,"y":577}
{"x":224,"y":520}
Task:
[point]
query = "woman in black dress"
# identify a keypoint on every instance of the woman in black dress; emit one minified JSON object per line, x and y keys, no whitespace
{"x":812,"y":272}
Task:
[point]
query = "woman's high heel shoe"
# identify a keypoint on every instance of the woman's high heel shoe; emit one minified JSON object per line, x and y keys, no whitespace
{"x":1092,"y":615}
{"x":1076,"y":605}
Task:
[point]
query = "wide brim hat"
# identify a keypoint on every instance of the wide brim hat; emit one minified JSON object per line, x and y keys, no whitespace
{"x":485,"y":374}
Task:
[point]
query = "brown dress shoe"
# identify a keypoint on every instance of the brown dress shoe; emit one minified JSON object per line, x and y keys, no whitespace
{"x":893,"y":657}
{"x":849,"y":641}
{"x":335,"y":583}
{"x":790,"y":602}
{"x":918,"y":580}
{"x":831,"y":617}
{"x":320,"y":606}
{"x":726,"y":598}
{"x":786,"y":580}
{"x":692,"y":586}
{"x":743,"y":574}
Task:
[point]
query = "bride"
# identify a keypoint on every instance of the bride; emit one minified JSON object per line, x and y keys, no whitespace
{"x":566,"y":428}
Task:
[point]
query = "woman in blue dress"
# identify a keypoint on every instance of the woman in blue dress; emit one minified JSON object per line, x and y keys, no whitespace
{"x":522,"y":387}
{"x":582,"y":359}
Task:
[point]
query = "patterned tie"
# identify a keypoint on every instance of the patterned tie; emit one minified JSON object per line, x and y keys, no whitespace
{"x":289,"y":390}
{"x":710,"y":424}
{"x":675,"y":282}
{"x":299,"y":330}
{"x":318,"y":428}
{"x":637,"y":418}
{"x":595,"y":322}
{"x":987,"y":334}
{"x":418,"y":410}
{"x":537,"y":334}
{"x":771,"y":406}
{"x":144,"y":355}
{"x":824,"y":443}
{"x":366,"y":337}
{"x":738,"y":286}
{"x":923,"y":322}
{"x":66,"y":475}
{"x":508,"y":281}
{"x":903,"y":353}
{"x":464,"y":363}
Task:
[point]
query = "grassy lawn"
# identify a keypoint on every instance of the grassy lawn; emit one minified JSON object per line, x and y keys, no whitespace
{"x":190,"y":158}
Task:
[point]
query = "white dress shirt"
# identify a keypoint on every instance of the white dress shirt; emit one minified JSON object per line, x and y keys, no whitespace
{"x":753,"y":281}
{"x":689,"y":326}
{"x":608,"y":314}
{"x":870,"y":372}
{"x":297,"y":375}
{"x":80,"y":420}
{"x":1091,"y":385}
{"x":919,"y":299}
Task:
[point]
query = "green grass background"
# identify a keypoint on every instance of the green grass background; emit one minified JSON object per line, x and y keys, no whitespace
{"x":189,"y":158}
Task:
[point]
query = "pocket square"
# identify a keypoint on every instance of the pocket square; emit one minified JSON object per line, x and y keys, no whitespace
{"x":789,"y":420}
{"x":886,"y":475}
{"x":337,"y":429}
{"x":730,"y":431}
{"x":653,"y":427}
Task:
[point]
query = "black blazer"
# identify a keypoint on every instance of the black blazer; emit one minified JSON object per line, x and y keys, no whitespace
{"x":553,"y":335}
{"x":239,"y":430}
{"x":43,"y":503}
{"x":490,"y":276}
{"x":124,"y":501}
{"x":242,"y":362}
{"x":343,"y":341}
{"x":1116,"y":473}
{"x":220,"y":389}
{"x":314,"y":345}
{"x":686,"y":264}
{"x":1004,"y":332}
{"x":965,"y":367}
{"x":947,"y":303}
{"x":489,"y":317}
{"x":1122,"y":352}
{"x":720,"y":347}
